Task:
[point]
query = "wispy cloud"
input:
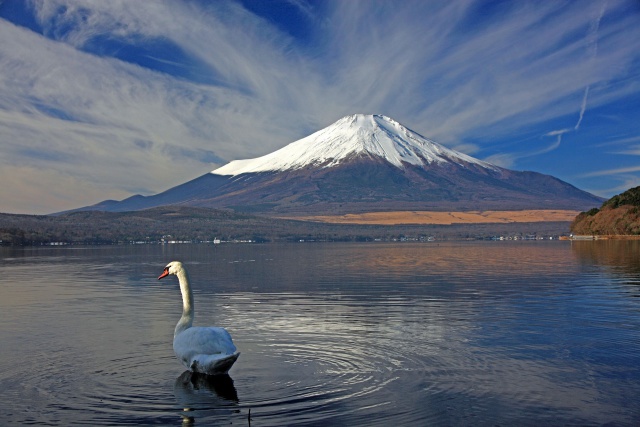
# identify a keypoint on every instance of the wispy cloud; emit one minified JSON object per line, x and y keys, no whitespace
{"x":624,"y":178}
{"x":134,"y":92}
{"x":614,"y":171}
{"x":583,"y":108}
{"x":633,"y":150}
{"x":557,"y":132}
{"x":624,"y":183}
{"x":619,"y":142}
{"x":592,"y":51}
{"x":505,"y":160}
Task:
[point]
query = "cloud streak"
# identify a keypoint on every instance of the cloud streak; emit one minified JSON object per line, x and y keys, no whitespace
{"x":592,"y":49}
{"x":614,"y":171}
{"x":126,"y":97}
{"x":583,"y":108}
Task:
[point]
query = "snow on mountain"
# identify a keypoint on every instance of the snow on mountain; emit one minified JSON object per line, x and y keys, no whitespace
{"x":354,"y":135}
{"x":364,"y":163}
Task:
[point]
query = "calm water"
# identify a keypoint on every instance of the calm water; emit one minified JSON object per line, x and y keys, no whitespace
{"x":487,"y":333}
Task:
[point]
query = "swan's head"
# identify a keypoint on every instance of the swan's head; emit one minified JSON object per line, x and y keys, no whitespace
{"x":172,"y":268}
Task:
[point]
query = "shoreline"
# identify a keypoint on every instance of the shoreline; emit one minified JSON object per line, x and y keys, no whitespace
{"x":605,"y":237}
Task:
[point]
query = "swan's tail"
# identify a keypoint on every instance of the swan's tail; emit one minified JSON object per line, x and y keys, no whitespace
{"x":213,"y":364}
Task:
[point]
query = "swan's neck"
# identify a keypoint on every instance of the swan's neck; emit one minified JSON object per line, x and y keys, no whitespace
{"x":186,"y":320}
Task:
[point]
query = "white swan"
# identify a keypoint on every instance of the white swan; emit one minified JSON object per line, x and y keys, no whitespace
{"x":205,"y":350}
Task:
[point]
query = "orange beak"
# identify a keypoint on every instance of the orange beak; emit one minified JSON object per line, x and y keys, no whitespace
{"x":165,"y":273}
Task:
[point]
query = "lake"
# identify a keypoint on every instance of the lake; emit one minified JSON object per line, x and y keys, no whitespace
{"x":376,"y":334}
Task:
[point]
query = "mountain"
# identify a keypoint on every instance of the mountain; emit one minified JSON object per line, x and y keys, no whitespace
{"x":374,"y":137}
{"x":364,"y":163}
{"x":620,"y":215}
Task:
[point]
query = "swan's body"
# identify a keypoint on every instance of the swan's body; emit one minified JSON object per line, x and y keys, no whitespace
{"x":207,"y":350}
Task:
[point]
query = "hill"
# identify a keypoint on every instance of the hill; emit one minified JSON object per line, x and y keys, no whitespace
{"x":619,"y":215}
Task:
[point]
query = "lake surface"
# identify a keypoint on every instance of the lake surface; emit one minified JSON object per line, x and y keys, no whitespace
{"x":438,"y":333}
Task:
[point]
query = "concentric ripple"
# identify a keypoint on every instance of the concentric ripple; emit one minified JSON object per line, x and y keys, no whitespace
{"x":376,"y":335}
{"x":332,"y":359}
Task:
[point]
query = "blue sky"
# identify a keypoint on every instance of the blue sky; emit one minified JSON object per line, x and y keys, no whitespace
{"x":106,"y":99}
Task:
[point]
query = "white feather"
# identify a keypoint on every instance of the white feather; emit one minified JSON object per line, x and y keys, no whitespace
{"x":207,"y":350}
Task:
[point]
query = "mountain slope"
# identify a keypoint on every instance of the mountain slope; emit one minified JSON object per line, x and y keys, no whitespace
{"x":365,"y":163}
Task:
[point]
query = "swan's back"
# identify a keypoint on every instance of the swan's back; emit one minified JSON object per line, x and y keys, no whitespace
{"x":208,"y":350}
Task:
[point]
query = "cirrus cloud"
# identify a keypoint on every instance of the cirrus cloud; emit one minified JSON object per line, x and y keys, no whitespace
{"x":125,"y":97}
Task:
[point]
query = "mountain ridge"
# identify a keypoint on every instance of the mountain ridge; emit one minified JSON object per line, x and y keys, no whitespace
{"x":364,"y":163}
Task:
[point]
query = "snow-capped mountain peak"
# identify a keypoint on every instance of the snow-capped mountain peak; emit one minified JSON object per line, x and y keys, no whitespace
{"x":354,"y":135}
{"x":364,"y":163}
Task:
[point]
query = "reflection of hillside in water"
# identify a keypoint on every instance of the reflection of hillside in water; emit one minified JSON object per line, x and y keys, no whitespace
{"x":459,"y":260}
{"x":326,"y":265}
{"x":618,"y":255}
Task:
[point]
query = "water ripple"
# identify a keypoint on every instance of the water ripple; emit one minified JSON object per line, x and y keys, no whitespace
{"x":329,"y":335}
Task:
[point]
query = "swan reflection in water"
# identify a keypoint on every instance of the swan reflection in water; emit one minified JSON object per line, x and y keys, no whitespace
{"x":204,"y":393}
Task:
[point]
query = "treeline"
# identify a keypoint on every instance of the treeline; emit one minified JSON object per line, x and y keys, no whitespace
{"x":197,"y":224}
{"x":619,"y":215}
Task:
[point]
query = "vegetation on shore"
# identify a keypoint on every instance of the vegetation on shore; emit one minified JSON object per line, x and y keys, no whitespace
{"x":172,"y":223}
{"x":619,"y":215}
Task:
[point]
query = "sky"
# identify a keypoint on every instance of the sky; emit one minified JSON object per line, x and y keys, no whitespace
{"x":107,"y":99}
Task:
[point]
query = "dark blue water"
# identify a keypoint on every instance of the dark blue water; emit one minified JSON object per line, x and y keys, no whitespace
{"x":439,"y":333}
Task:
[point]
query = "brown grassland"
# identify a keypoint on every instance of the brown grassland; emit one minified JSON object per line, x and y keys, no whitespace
{"x":199,"y":224}
{"x":444,"y":218}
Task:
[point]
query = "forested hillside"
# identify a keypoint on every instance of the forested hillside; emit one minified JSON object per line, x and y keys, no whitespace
{"x":198,"y":224}
{"x":619,"y":215}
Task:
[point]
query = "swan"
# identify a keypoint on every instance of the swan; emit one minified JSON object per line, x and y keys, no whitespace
{"x":206,"y":350}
